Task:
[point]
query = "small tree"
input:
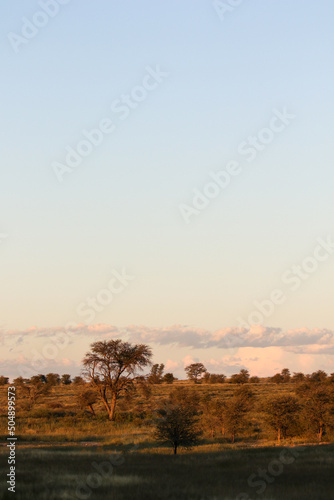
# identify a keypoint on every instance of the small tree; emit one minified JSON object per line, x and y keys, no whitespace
{"x":53,"y":379}
{"x":32,"y":389}
{"x":240,"y":378}
{"x":318,"y":377}
{"x":210,"y":418}
{"x":87,"y":398}
{"x":286,"y":375}
{"x":317,"y":407}
{"x":4,"y":380}
{"x":112,"y":366}
{"x":298,"y":377}
{"x":78,"y":380}
{"x":281,"y":414}
{"x":168,"y":378}
{"x":38,"y":378}
{"x":156,"y":374}
{"x":18,"y":381}
{"x":182,"y":396}
{"x":177,"y":427}
{"x":144,"y":387}
{"x":277,"y":378}
{"x":66,"y":379}
{"x":236,"y":409}
{"x":254,"y":380}
{"x":195,"y":371}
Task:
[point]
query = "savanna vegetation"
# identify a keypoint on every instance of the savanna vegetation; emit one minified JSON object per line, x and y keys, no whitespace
{"x":114,"y":432}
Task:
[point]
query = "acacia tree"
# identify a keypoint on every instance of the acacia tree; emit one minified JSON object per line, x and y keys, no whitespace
{"x":317,"y":407}
{"x":87,"y":398}
{"x":177,"y":426}
{"x":112,"y":366}
{"x":240,"y":378}
{"x":286,"y":375}
{"x":298,"y":377}
{"x":66,"y":379}
{"x":32,"y":389}
{"x":282,"y":414}
{"x":53,"y":379}
{"x":210,"y":414}
{"x":195,"y":371}
{"x":235,"y":410}
{"x":182,"y":396}
{"x":4,"y":380}
{"x":317,"y":377}
{"x":168,"y":378}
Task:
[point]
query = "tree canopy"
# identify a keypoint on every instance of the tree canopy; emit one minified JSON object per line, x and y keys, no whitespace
{"x":112,"y":366}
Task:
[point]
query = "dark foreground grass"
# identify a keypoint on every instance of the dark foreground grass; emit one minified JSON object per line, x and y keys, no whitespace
{"x":70,"y":472}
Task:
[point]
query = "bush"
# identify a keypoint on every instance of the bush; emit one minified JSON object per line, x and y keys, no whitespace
{"x":282,"y":415}
{"x":55,"y":405}
{"x":78,"y":380}
{"x":66,"y":379}
{"x":168,"y":378}
{"x":177,"y":427}
{"x":240,"y":378}
{"x":214,"y":378}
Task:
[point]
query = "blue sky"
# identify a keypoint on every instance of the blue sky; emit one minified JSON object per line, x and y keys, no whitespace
{"x":119,"y":209}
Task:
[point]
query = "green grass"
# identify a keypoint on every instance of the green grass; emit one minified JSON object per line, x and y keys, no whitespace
{"x":67,"y":422}
{"x":56,"y":472}
{"x":58,"y":444}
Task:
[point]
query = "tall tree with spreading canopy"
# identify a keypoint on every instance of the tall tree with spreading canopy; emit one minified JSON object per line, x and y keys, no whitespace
{"x":112,"y":366}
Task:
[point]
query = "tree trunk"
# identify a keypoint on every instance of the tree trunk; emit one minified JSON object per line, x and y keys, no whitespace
{"x":106,"y":404}
{"x":175,"y":448}
{"x":112,"y":407}
{"x":91,"y":409}
{"x":321,"y":431}
{"x":279,"y":435}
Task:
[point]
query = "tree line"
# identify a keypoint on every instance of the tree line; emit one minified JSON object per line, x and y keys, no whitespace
{"x":112,"y":371}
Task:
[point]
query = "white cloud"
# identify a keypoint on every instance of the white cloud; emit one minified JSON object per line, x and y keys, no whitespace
{"x":171,"y":365}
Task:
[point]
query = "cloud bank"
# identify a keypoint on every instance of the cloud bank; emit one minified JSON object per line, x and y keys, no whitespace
{"x":315,"y":341}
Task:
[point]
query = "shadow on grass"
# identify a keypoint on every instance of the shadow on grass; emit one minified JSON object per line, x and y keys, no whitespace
{"x":58,"y":472}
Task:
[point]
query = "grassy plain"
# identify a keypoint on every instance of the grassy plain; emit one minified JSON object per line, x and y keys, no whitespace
{"x":66,"y":453}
